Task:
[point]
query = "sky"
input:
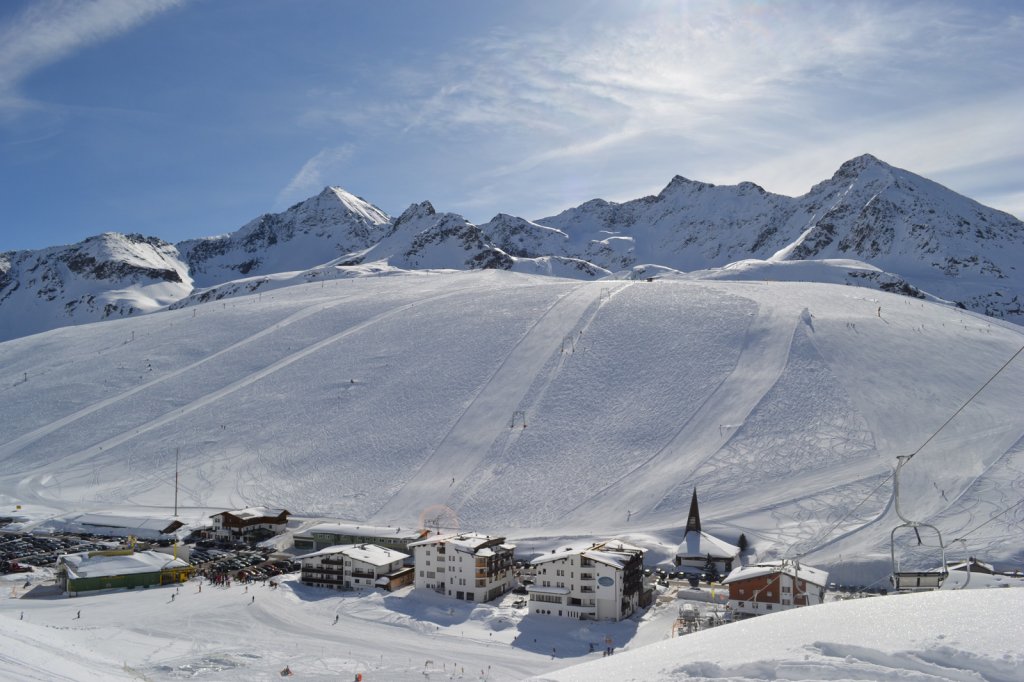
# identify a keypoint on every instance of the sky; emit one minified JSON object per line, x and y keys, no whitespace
{"x":188,"y":118}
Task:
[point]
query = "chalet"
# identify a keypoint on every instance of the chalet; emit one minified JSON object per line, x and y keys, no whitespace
{"x":703,"y":551}
{"x":774,"y":586}
{"x":467,"y":566}
{"x":353,"y":566}
{"x":120,"y":568}
{"x":248,"y":525}
{"x":325,"y":535}
{"x":601,"y":582}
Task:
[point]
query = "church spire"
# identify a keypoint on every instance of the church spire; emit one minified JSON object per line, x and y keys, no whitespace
{"x":693,"y":521}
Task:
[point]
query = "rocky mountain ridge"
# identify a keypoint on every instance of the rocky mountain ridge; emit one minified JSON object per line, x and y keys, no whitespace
{"x":918,"y":237}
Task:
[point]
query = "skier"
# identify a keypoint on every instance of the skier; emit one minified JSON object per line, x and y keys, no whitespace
{"x":79,"y":614}
{"x":172,"y":597}
{"x":253,"y":599}
{"x":335,"y":619}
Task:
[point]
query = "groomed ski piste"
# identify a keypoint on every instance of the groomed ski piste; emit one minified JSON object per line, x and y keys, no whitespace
{"x":545,"y":410}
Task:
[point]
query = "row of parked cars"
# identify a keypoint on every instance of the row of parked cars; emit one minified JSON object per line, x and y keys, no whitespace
{"x":21,"y":551}
{"x":268,"y":570}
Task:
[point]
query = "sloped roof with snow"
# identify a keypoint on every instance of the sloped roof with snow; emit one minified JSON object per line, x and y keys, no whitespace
{"x":374,"y":555}
{"x":612,"y":553}
{"x":254,"y":512}
{"x":364,"y":530}
{"x":470,"y":542}
{"x":815,"y":576}
{"x":142,"y":526}
{"x":82,"y":565}
{"x":699,"y":545}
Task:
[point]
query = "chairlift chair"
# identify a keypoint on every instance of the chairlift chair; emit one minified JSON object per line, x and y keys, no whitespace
{"x":911,"y":580}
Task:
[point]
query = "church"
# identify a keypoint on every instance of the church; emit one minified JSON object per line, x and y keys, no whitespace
{"x":699,"y":549}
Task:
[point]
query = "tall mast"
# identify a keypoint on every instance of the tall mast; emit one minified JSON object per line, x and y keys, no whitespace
{"x":175,"y":482}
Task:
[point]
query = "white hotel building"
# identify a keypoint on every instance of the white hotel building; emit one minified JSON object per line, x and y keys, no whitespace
{"x":601,"y":582}
{"x":467,"y":566}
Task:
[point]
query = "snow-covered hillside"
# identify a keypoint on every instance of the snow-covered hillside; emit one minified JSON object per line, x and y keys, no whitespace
{"x":539,"y":408}
{"x":889,"y":229}
{"x":108,"y":276}
{"x":936,"y":636}
{"x":898,"y":222}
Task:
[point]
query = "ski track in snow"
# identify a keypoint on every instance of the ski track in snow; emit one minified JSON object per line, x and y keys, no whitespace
{"x":31,"y":482}
{"x":466,"y":444}
{"x":761,"y":362}
{"x":13,"y":446}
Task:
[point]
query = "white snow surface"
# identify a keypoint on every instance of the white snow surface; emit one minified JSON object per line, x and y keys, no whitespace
{"x":252,"y":632}
{"x":968,"y":635}
{"x":785,"y":404}
{"x":551,"y":412}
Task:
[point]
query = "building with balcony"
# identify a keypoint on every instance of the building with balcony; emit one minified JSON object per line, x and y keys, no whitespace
{"x":468,"y":566}
{"x":601,"y":582}
{"x":347,"y":567}
{"x":774,"y":586}
{"x":248,"y":525}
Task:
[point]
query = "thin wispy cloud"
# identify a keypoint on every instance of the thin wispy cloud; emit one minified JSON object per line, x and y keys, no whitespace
{"x":741,"y":84}
{"x":48,"y":31}
{"x":316,"y":173}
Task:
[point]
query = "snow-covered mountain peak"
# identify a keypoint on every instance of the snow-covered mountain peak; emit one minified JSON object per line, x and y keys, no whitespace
{"x":331,"y":224}
{"x":354,"y":204}
{"x":104,"y":276}
{"x":415,"y":212}
{"x":679,"y":183}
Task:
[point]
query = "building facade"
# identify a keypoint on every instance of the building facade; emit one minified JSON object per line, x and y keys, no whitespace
{"x":248,"y":525}
{"x":325,"y":535}
{"x":772,"y":587}
{"x":118,"y":569}
{"x":468,"y":566}
{"x":355,"y":566}
{"x":601,"y":582}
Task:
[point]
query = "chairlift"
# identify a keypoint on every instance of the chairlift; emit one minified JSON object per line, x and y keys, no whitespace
{"x":903,"y":581}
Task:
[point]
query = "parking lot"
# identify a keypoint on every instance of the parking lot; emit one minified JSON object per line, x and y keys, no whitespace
{"x":21,"y":551}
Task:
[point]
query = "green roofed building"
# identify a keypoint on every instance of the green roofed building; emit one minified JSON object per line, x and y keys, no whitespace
{"x":324,"y":535}
{"x":119,"y":569}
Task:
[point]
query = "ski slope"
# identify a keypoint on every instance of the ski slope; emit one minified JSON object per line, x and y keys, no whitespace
{"x":389,"y":399}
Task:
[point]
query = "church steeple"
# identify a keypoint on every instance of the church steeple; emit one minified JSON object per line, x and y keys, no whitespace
{"x":693,"y":521}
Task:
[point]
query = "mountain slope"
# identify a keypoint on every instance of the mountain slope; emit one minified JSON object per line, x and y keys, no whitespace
{"x":319,"y":229}
{"x":107,"y":276}
{"x":870,"y":225}
{"x":918,"y":231}
{"x":537,"y":407}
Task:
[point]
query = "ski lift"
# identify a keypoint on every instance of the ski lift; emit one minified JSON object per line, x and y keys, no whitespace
{"x":904,"y":581}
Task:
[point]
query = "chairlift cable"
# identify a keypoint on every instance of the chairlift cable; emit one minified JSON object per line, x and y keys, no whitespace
{"x":990,"y":520}
{"x":968,"y":402}
{"x":936,"y":432}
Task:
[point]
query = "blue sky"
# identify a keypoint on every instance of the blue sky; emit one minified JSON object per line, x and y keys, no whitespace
{"x":187,"y":118}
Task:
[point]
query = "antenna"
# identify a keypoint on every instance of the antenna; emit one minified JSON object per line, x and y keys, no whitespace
{"x":175,"y":482}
